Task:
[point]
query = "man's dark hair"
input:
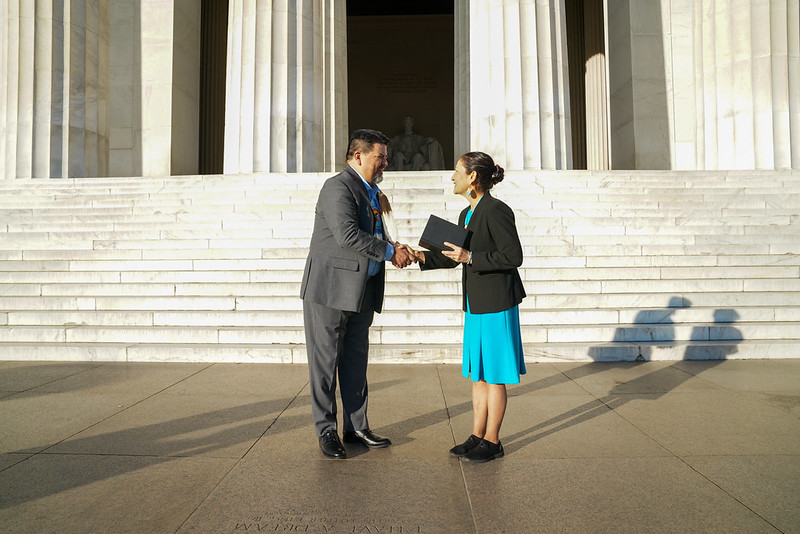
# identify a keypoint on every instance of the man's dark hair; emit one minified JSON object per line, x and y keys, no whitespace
{"x":363,"y":140}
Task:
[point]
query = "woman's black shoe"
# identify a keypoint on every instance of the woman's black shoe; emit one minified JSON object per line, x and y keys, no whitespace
{"x":460,"y":450}
{"x":485,"y":451}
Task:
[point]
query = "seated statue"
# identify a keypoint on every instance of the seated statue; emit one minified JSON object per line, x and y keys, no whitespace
{"x":413,"y":152}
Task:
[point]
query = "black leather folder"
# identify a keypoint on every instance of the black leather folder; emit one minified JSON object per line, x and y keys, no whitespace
{"x":438,"y":230}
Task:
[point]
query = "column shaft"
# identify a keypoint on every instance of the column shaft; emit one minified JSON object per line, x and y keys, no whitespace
{"x":516,"y":83}
{"x":734,"y":107}
{"x":595,"y":84}
{"x":286,"y":96}
{"x":43,"y":86}
{"x":25,"y":78}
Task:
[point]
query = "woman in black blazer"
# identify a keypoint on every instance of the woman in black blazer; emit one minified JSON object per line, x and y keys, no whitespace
{"x":492,"y":291}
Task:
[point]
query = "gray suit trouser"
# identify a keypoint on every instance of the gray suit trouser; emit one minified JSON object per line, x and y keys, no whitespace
{"x":337,"y":344}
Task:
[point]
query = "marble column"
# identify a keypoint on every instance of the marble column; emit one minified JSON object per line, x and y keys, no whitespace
{"x":640,"y":121}
{"x":185,"y":125}
{"x":125,"y":134}
{"x":286,"y":97}
{"x":735,"y":73}
{"x":518,"y":102}
{"x":597,"y":156}
{"x":461,"y":116}
{"x":155,"y":87}
{"x":54,"y":94}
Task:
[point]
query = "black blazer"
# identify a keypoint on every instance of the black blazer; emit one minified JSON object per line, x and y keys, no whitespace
{"x":492,"y":280}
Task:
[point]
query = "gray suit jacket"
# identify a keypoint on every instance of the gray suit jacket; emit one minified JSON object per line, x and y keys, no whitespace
{"x":342,"y":244}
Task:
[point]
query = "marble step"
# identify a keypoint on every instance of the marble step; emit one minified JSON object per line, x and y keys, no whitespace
{"x":557,"y":309}
{"x":44,"y":223}
{"x":434,"y":280}
{"x":772,"y":292}
{"x":284,"y":296}
{"x":529,"y":271}
{"x":83,"y":311}
{"x":252,"y":229}
{"x":778,"y":242}
{"x":544,"y":179}
{"x":534,"y":256}
{"x":209,"y":194}
{"x":633,"y":206}
{"x":415,"y":353}
{"x":581,"y":284}
{"x":739,"y":331}
{"x":752,"y":306}
{"x":535,"y":223}
{"x":561,"y":179}
{"x":537,"y":255}
{"x":591,"y":213}
{"x":446,"y":207}
{"x":513,"y":194}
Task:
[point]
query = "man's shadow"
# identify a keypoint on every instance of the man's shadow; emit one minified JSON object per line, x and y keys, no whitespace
{"x":641,"y":388}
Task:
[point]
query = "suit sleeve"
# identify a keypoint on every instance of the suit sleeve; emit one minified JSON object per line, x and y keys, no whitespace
{"x":339,"y":208}
{"x":508,"y":249}
{"x":437,"y":260}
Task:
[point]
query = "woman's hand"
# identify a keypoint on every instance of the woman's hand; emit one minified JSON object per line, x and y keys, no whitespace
{"x":418,"y":255}
{"x":457,"y":254}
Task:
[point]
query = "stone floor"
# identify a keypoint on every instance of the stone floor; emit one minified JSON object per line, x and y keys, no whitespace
{"x":680,"y":446}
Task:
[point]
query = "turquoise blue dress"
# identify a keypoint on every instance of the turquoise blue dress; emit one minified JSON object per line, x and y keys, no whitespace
{"x":493,"y":345}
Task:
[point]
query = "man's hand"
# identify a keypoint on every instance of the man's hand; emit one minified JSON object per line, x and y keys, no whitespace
{"x":403,"y":256}
{"x":417,"y":256}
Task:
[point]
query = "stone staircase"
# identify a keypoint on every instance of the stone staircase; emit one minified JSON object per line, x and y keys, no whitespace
{"x":619,"y":266}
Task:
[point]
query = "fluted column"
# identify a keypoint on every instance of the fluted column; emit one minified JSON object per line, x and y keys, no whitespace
{"x":736,"y":83}
{"x":461,"y":116}
{"x":43,"y":96}
{"x":518,"y":101}
{"x":54,"y":92}
{"x":286,"y":97}
{"x":597,"y":156}
{"x":25,"y":78}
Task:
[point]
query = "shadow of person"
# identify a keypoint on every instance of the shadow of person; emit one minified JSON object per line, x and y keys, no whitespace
{"x":223,"y":433}
{"x":229,"y":432}
{"x":649,"y":327}
{"x":402,"y":431}
{"x":716,"y":341}
{"x":711,"y":342}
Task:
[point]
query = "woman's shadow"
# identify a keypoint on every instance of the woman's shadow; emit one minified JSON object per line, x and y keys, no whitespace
{"x":650,"y":386}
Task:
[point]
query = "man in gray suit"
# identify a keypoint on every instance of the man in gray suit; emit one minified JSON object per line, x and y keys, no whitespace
{"x":342,"y":287}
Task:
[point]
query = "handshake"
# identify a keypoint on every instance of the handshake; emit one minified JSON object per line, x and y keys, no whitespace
{"x":404,"y":256}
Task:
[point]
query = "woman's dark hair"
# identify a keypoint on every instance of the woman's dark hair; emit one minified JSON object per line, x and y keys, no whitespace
{"x":482,"y":163}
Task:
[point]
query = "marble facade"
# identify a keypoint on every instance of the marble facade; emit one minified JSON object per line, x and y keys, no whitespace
{"x":110,"y":87}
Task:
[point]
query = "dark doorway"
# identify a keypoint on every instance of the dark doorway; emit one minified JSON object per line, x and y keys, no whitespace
{"x":213,"y":58}
{"x":576,"y":51}
{"x":586,"y":56}
{"x":400,"y":58}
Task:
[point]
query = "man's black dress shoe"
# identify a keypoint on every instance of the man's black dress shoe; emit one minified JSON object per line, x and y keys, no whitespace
{"x":367,"y":438}
{"x":331,"y":446}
